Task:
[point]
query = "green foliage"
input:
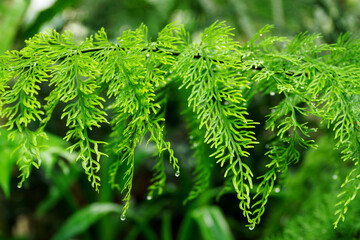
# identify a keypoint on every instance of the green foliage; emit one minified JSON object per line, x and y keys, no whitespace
{"x":6,"y":164}
{"x":124,"y":84}
{"x":209,"y":224}
{"x":85,"y":218}
{"x":11,"y":16}
{"x":312,"y":208}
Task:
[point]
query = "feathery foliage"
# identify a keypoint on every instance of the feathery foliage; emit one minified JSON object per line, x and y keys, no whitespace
{"x":220,"y":77}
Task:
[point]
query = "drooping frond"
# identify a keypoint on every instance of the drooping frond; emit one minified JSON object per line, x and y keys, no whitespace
{"x":20,"y":105}
{"x":133,"y":72}
{"x":215,"y":81}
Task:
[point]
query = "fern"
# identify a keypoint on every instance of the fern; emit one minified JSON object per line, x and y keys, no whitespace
{"x":123,"y":84}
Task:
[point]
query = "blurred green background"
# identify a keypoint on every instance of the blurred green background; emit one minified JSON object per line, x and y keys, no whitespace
{"x":57,"y":202}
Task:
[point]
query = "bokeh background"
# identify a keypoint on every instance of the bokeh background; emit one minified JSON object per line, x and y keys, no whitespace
{"x":57,"y":201}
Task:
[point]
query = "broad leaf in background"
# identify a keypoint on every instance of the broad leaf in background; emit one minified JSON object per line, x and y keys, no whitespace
{"x":60,"y":181}
{"x":11,"y":16}
{"x":84,"y":218}
{"x":210,"y":223}
{"x":7,"y":161}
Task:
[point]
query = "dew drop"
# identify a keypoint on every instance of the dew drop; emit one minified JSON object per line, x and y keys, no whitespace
{"x":19,"y":185}
{"x":334,"y":177}
{"x":177,"y":174}
{"x":261,"y":35}
{"x":147,"y":55}
{"x":248,"y":45}
{"x":251,"y":227}
{"x":267,"y":146}
{"x":170,"y":71}
{"x":122,"y":218}
{"x":149,"y":197}
{"x":277,"y":189}
{"x":272,"y":93}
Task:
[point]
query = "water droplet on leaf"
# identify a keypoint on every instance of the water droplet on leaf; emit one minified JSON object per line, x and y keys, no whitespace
{"x":277,"y":189}
{"x":122,"y":218}
{"x":177,"y":174}
{"x":19,"y":185}
{"x":149,"y":197}
{"x":272,"y":93}
{"x":252,"y":227}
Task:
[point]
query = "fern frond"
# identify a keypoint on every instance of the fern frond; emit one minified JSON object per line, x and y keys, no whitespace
{"x":133,"y":72}
{"x":21,"y":107}
{"x":215,"y":82}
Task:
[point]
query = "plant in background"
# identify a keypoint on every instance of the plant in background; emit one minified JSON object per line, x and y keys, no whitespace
{"x":124,"y":85}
